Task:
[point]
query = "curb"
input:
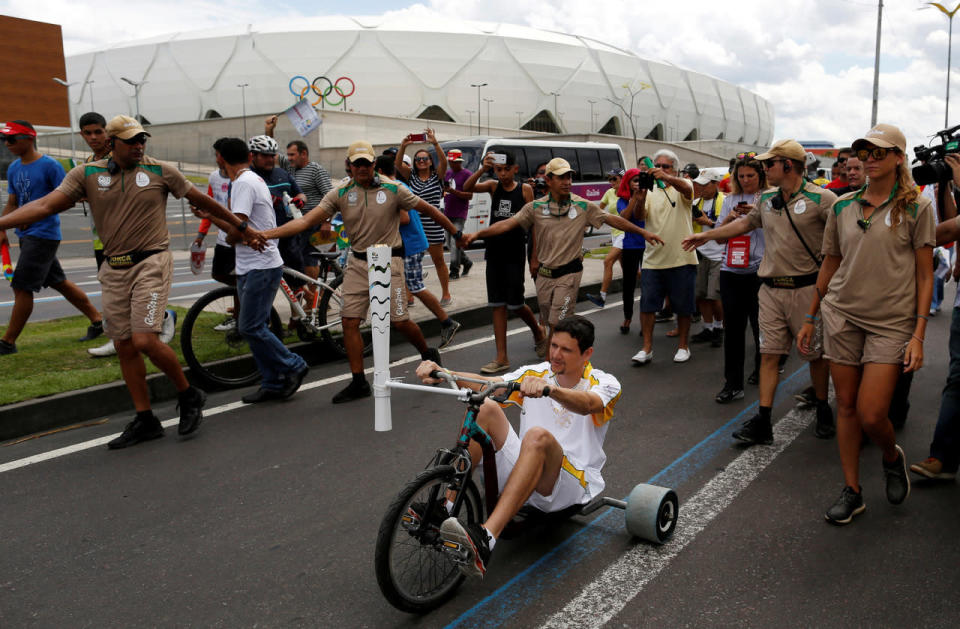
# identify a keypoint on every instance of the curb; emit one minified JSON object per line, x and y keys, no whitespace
{"x":64,"y":409}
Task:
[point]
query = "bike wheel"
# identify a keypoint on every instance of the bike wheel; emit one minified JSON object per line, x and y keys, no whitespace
{"x":413,"y":572}
{"x":331,"y":304}
{"x":213,"y":348}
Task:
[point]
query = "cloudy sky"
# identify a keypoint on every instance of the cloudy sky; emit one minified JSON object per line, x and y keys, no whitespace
{"x":813,"y":59}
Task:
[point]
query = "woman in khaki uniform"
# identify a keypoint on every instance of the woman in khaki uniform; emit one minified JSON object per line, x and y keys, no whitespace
{"x":875,"y":284}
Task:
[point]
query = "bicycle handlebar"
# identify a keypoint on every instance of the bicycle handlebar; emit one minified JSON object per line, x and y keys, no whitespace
{"x":489,"y":387}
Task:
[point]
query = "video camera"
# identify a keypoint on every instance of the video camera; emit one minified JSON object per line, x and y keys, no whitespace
{"x":933,"y":168}
{"x":646,"y":180}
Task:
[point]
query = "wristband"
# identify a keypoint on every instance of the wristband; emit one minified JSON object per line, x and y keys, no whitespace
{"x":242,"y":227}
{"x":458,"y":235}
{"x":917,"y":337}
{"x":811,"y":317}
{"x":924,"y":317}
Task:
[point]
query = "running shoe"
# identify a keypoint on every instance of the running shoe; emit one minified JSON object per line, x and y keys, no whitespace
{"x":226,"y":325}
{"x":848,"y":505}
{"x":169,"y":328}
{"x":136,"y":431}
{"x":755,"y":431}
{"x":728,"y":394}
{"x":898,"y":481}
{"x":447,"y":332}
{"x":468,"y":546}
{"x":932,"y":468}
{"x":93,"y":331}
{"x":596,"y":300}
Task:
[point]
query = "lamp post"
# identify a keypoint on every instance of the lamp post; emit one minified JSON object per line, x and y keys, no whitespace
{"x":488,"y":101}
{"x":949,"y":14}
{"x":136,"y":92}
{"x":478,"y":86}
{"x":633,"y":97}
{"x":90,"y":83}
{"x":243,"y":100}
{"x":876,"y":67}
{"x":470,"y":124}
{"x":73,"y":140}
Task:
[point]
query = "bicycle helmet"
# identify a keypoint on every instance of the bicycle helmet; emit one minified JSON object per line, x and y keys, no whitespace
{"x":263,"y":144}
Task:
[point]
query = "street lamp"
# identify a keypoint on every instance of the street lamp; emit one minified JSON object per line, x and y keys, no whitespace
{"x":949,"y":14}
{"x":73,"y":140}
{"x":136,"y":91}
{"x":90,"y":83}
{"x":478,"y":86}
{"x":470,"y":124}
{"x":488,"y":101}
{"x":243,"y":99}
{"x":633,"y":97}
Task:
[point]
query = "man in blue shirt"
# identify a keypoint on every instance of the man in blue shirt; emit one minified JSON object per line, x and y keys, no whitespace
{"x":32,"y":176}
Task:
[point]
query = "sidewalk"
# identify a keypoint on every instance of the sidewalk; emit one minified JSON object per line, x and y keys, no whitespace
{"x":469,"y":307}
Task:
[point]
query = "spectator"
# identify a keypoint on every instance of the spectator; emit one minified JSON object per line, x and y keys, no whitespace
{"x":793,"y":217}
{"x":32,"y":176}
{"x":414,"y":246}
{"x":706,"y":212}
{"x":132,"y":222}
{"x":856,"y":178}
{"x":668,"y":271}
{"x":690,"y":171}
{"x":258,"y":278}
{"x":425,"y":181}
{"x":504,"y":255}
{"x":609,"y":202}
{"x":92,"y":129}
{"x":630,"y":206}
{"x":456,"y":205}
{"x":876,"y":281}
{"x":739,"y":283}
{"x":839,"y":171}
{"x":218,"y":188}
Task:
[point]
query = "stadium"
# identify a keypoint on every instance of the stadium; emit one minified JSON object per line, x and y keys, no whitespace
{"x":531,"y":80}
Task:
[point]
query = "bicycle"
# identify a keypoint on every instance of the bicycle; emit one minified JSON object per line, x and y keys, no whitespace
{"x":218,"y":353}
{"x":415,"y":569}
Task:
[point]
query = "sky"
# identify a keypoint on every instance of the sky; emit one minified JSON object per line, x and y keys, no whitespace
{"x":813,"y":59}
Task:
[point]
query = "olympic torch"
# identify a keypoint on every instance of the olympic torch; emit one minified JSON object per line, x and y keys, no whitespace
{"x":378,"y":274}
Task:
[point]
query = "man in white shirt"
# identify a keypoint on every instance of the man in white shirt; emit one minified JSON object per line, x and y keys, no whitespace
{"x":258,"y":277}
{"x":555,"y":461}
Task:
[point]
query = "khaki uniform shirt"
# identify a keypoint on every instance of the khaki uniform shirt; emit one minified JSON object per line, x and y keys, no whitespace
{"x":784,"y":254}
{"x":129,"y":208}
{"x":670,"y":216}
{"x":371,"y":215}
{"x":558,"y":231}
{"x":875,"y":286}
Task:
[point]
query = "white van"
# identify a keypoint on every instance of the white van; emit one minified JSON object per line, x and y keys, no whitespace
{"x":591,"y":161}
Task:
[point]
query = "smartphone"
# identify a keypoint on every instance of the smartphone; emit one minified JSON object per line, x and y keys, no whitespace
{"x":418,"y":137}
{"x":499,"y":158}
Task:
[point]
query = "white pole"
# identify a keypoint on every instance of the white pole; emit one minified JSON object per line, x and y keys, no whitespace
{"x":378,"y":273}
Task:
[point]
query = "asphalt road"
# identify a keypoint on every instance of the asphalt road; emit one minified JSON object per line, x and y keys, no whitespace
{"x":268,"y":517}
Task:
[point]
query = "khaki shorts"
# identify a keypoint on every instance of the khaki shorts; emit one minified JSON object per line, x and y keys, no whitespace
{"x":846,"y":343}
{"x":356,"y":290}
{"x":567,"y":491}
{"x":782,"y":313}
{"x":708,"y":279}
{"x":134,"y":299}
{"x":557,"y":296}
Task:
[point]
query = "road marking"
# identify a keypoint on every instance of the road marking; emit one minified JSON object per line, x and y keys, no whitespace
{"x":96,"y":293}
{"x":608,"y":594}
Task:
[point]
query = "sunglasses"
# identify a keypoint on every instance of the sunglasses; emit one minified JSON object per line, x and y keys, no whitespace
{"x":541,"y":172}
{"x":11,"y":139}
{"x":666,"y":166}
{"x":746,"y":155}
{"x":770,"y":163}
{"x":612,"y":179}
{"x":841,"y":160}
{"x":137,"y":139}
{"x":362,"y":163}
{"x":421,"y":159}
{"x":877,"y":153}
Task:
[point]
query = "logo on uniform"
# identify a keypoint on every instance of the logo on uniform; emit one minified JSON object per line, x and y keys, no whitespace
{"x":352,"y":196}
{"x":800,"y":207}
{"x":103,"y":180}
{"x":573,"y":213}
{"x":142,"y":180}
{"x":381,"y":197}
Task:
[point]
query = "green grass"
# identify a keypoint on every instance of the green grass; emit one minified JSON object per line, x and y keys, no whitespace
{"x":599,"y":253}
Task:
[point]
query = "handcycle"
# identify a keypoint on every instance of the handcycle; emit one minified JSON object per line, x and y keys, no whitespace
{"x":416,"y":570}
{"x":217,"y":352}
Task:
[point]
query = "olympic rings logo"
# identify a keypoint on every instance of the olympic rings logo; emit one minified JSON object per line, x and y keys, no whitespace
{"x":323,"y":94}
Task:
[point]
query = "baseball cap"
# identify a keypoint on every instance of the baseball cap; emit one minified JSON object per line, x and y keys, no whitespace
{"x":124,"y":127}
{"x":691,"y":170}
{"x":407,"y":160}
{"x":615,"y":172}
{"x":15,"y":128}
{"x":361,"y":149}
{"x":883,"y":136}
{"x":558,"y":166}
{"x":710,"y":174}
{"x":791,"y":149}
{"x":455,"y":155}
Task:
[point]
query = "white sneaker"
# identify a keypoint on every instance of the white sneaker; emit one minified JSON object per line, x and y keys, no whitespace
{"x":169,"y":326}
{"x":682,"y":355}
{"x":227,"y":325}
{"x":642,"y":357}
{"x":107,"y":349}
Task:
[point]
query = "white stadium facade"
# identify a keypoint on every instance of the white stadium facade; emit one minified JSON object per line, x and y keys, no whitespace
{"x":418,"y":68}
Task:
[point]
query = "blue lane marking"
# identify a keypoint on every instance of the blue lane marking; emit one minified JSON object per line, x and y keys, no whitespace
{"x":526,"y":587}
{"x":97,"y":293}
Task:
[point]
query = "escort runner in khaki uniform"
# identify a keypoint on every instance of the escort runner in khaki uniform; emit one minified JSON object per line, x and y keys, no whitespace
{"x":372,"y":208}
{"x":558,"y":222}
{"x":127,"y":195}
{"x":793,"y":217}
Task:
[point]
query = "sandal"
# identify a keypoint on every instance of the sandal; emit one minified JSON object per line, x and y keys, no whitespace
{"x":495,"y":367}
{"x":674,"y":332}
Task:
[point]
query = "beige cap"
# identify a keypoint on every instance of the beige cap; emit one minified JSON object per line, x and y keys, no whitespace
{"x":124,"y":127}
{"x":361,"y":149}
{"x":884,"y":136}
{"x":710,"y":174}
{"x":790,"y":149}
{"x":558,"y":166}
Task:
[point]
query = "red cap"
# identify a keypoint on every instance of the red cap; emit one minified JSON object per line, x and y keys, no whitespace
{"x":12,"y":128}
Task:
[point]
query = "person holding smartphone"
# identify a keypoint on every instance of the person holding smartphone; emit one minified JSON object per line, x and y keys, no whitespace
{"x":456,"y":205}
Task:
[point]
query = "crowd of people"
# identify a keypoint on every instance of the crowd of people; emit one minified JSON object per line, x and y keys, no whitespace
{"x":842,"y":271}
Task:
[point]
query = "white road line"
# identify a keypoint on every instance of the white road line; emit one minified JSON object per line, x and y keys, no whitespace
{"x":619,"y":583}
{"x":216,"y":410}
